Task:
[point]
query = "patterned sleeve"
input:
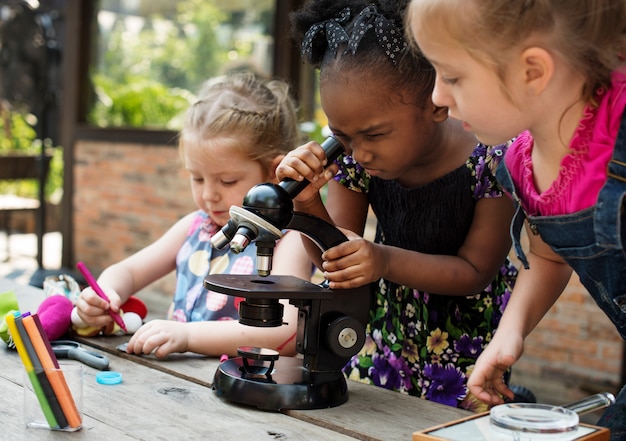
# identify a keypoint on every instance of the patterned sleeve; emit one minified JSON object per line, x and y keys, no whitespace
{"x":351,"y":175}
{"x":484,"y":161}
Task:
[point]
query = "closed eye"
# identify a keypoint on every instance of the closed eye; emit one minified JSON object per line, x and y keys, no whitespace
{"x":449,"y":80}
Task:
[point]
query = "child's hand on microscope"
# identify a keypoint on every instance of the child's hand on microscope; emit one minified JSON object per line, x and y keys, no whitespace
{"x":307,"y":162}
{"x":354,"y":263}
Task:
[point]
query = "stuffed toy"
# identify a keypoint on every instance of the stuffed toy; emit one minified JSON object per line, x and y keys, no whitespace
{"x":58,"y":316}
{"x":58,"y":313}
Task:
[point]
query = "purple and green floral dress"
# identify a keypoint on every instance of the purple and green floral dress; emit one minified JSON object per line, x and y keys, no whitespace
{"x":421,"y":343}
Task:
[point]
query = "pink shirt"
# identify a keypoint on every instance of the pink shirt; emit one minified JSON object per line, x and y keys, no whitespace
{"x":583,"y":171}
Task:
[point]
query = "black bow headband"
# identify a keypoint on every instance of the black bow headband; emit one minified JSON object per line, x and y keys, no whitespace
{"x":387,"y":33}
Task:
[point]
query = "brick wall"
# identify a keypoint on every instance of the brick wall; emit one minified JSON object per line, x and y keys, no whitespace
{"x":126,"y":196}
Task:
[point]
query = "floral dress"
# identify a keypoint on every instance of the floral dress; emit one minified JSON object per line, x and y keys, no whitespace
{"x":192,"y":301}
{"x":421,"y":343}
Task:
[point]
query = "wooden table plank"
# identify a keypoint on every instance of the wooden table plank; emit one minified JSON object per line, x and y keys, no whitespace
{"x":193,"y":367}
{"x":189,"y":366}
{"x":360,"y":417}
{"x":371,"y":413}
{"x":152,"y":405}
{"x":13,"y":420}
{"x":28,"y":297}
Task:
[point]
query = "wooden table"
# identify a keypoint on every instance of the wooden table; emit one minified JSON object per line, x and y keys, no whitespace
{"x":172,"y":399}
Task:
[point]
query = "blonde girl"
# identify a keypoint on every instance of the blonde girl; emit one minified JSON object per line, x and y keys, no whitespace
{"x":233,"y":138}
{"x":551,"y":72}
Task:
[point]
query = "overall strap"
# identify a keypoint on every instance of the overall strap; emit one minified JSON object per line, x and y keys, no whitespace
{"x":611,"y":197}
{"x":503,"y":177}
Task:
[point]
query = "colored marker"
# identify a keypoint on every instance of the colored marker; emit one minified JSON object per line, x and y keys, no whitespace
{"x":51,"y":366}
{"x":94,"y":285}
{"x":32,"y":376}
{"x":55,"y":406}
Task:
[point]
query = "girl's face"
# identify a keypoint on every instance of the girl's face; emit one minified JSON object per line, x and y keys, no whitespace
{"x":472,"y":91}
{"x":221,"y":175}
{"x":386,"y":135}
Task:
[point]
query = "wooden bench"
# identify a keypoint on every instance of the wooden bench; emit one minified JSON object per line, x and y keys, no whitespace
{"x":24,"y":167}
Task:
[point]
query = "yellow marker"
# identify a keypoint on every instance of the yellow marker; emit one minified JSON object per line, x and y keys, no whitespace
{"x":32,"y":375}
{"x":50,"y":365}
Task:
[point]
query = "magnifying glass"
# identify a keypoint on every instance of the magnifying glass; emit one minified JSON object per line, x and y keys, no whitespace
{"x":536,"y":421}
{"x":74,"y":351}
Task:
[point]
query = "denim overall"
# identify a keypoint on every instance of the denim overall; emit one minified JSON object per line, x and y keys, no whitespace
{"x":591,"y":241}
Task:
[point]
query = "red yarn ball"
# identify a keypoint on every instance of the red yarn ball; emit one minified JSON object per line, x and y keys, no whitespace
{"x":136,"y":305}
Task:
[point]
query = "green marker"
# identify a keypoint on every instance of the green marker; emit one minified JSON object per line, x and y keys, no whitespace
{"x":28,"y":365}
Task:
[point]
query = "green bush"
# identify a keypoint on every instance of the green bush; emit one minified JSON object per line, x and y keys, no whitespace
{"x":17,"y":136}
{"x":137,"y":103}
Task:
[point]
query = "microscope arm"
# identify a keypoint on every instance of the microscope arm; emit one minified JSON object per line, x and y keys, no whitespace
{"x":324,"y":234}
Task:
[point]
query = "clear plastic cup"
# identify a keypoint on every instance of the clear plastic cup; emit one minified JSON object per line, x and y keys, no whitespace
{"x":53,"y":398}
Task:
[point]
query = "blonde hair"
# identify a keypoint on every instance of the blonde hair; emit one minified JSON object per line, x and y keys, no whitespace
{"x":590,"y":35}
{"x":241,"y":104}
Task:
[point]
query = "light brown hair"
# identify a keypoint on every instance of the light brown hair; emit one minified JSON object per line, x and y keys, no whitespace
{"x":590,"y":35}
{"x":241,"y":104}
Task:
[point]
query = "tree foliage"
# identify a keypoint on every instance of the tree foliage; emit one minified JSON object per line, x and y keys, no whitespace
{"x":145,"y":78}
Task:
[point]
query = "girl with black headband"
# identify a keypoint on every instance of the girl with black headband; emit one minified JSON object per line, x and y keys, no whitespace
{"x":439,"y":259}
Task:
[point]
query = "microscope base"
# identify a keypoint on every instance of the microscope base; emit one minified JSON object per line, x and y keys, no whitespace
{"x":287,"y":386}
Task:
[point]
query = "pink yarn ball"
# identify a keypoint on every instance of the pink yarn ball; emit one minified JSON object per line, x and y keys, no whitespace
{"x":55,"y":315}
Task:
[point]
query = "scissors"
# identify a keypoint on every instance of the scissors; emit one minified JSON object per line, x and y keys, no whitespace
{"x":74,"y":351}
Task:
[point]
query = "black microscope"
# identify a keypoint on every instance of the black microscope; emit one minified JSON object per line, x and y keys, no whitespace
{"x":331,"y":323}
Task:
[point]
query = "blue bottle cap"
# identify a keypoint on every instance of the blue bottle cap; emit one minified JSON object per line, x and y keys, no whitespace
{"x":108,"y":377}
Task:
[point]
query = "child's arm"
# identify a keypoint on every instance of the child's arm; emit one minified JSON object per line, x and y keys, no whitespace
{"x":123,"y":279}
{"x":215,"y":338}
{"x":358,"y":261}
{"x":536,"y":290}
{"x":477,"y":262}
{"x":308,"y":162}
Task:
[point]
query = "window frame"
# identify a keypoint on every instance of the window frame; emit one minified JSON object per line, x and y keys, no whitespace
{"x":73,"y":126}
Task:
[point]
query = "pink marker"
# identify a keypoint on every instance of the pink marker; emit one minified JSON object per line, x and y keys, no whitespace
{"x":94,"y":285}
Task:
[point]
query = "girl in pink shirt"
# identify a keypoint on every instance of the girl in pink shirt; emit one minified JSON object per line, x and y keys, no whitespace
{"x":554,"y":75}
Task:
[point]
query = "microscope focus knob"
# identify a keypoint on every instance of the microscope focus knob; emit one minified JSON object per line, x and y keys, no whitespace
{"x":345,"y":336}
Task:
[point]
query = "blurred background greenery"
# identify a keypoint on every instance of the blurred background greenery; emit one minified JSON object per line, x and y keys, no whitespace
{"x":148,"y":60}
{"x":19,"y":137}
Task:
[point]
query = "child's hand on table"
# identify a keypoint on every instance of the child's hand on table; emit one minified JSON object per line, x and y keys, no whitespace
{"x":159,"y":337}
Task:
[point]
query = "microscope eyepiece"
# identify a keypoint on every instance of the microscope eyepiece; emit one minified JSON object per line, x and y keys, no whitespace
{"x":332,"y":147}
{"x":266,"y":210}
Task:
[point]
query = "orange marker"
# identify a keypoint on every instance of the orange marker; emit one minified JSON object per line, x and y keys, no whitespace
{"x":28,"y":365}
{"x":40,"y":372}
{"x":51,"y":366}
